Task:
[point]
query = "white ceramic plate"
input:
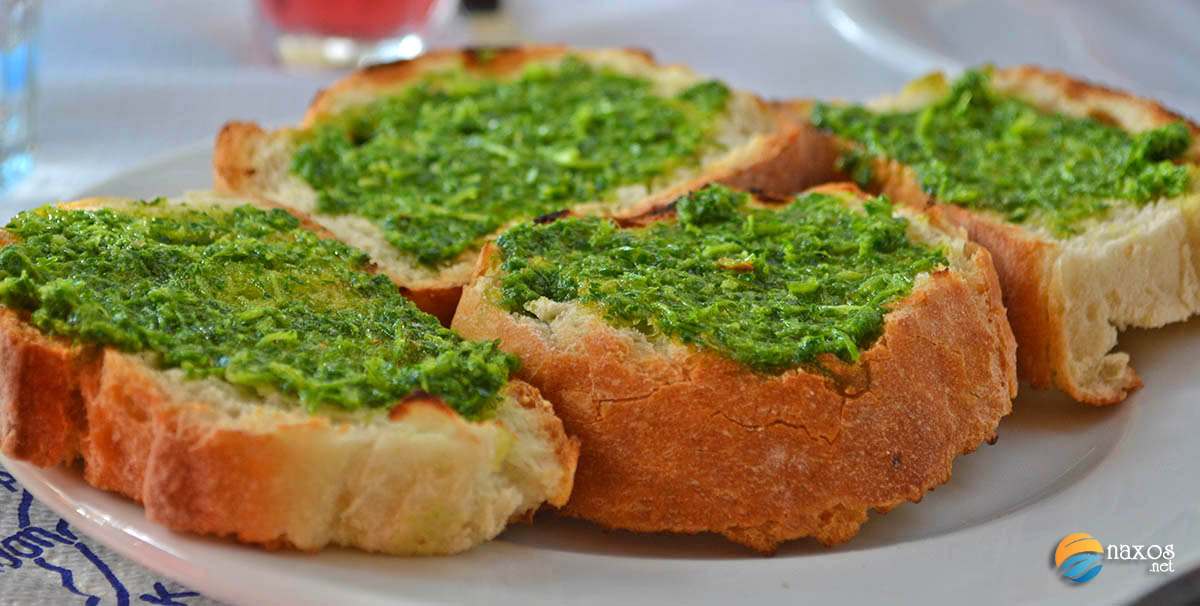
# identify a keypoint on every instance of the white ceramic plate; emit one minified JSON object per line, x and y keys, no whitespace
{"x":1148,"y":47}
{"x":1124,"y":474}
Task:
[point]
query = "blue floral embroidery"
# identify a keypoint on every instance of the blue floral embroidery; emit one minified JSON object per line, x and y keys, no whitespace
{"x":164,"y":597}
{"x":8,"y":482}
{"x":32,"y":543}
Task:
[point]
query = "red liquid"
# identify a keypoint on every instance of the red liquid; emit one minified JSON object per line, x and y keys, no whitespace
{"x":351,"y":18}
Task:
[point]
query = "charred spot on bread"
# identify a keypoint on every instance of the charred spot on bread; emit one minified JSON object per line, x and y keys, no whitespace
{"x":551,"y":216}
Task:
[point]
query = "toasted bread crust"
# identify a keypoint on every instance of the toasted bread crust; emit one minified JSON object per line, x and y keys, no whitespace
{"x":762,"y":165}
{"x":234,"y":172}
{"x":379,"y":78}
{"x":194,"y":471}
{"x":1023,"y":263}
{"x":437,"y":302}
{"x":41,"y":411}
{"x":688,"y":441}
{"x":233,"y":164}
{"x":1057,"y":91}
{"x":801,"y":160}
{"x":1018,"y":259}
{"x":201,"y":460}
{"x":1026,"y":260}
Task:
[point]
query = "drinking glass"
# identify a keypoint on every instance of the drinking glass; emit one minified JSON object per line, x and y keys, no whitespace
{"x":347,"y":33}
{"x":18,"y":20}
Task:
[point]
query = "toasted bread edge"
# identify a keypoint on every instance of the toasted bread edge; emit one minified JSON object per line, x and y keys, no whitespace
{"x":680,"y":440}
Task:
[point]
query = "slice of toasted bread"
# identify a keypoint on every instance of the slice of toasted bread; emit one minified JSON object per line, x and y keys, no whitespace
{"x":204,"y":456}
{"x":252,"y":162}
{"x":679,"y":438}
{"x":1067,"y":296}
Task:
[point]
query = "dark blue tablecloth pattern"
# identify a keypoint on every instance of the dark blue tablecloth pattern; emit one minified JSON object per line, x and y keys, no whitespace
{"x":45,"y":560}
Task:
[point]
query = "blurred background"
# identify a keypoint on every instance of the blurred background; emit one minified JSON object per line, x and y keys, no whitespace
{"x":120,"y":82}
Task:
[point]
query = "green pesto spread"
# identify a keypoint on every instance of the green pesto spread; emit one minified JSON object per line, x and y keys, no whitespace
{"x":243,"y":295}
{"x":451,"y":159}
{"x":769,"y":288}
{"x":979,"y":149}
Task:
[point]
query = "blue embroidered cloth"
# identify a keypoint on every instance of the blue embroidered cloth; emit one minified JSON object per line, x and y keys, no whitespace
{"x":45,"y":560}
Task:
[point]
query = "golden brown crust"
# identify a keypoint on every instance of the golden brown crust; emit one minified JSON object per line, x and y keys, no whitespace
{"x":233,"y":171}
{"x":485,"y":62}
{"x":566,"y":451}
{"x":691,"y":442}
{"x":108,"y":413}
{"x":1023,"y":258}
{"x":41,"y":410}
{"x":1022,"y":262}
{"x":233,"y":167}
{"x":1057,"y":91}
{"x":776,"y":171}
{"x":135,"y":439}
{"x":437,"y":302}
{"x":189,"y":476}
{"x":201,"y":463}
{"x":799,"y":161}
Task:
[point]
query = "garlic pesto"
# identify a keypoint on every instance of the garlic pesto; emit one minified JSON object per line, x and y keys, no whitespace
{"x":771,"y":288}
{"x":453,"y":157}
{"x":980,"y":149}
{"x":242,"y":295}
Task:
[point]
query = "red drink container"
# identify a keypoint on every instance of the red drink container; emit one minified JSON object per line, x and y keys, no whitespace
{"x":340,"y":33}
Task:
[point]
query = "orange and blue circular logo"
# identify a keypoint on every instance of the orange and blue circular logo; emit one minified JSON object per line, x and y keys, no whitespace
{"x":1078,"y":557}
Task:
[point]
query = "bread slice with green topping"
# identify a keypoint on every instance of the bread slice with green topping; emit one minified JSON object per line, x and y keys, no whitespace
{"x":762,"y":370}
{"x":240,"y":376}
{"x":420,"y":162}
{"x":1088,"y":199}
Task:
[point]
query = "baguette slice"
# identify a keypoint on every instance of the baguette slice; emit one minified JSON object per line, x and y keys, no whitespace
{"x":249,"y":161}
{"x":205,"y":457}
{"x":681,"y":439}
{"x":1067,"y":297}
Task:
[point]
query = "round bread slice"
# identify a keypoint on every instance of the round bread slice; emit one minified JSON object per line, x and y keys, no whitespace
{"x":1067,"y":295}
{"x":749,"y":140}
{"x":681,"y":438}
{"x":205,"y":456}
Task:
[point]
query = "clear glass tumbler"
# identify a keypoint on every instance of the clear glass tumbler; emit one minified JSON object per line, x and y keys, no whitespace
{"x":18,"y":25}
{"x":349,"y":33}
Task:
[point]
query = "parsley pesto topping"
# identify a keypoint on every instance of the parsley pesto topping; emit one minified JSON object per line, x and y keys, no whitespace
{"x":980,"y":149}
{"x":243,"y":295}
{"x":771,"y":288}
{"x":454,"y":157}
